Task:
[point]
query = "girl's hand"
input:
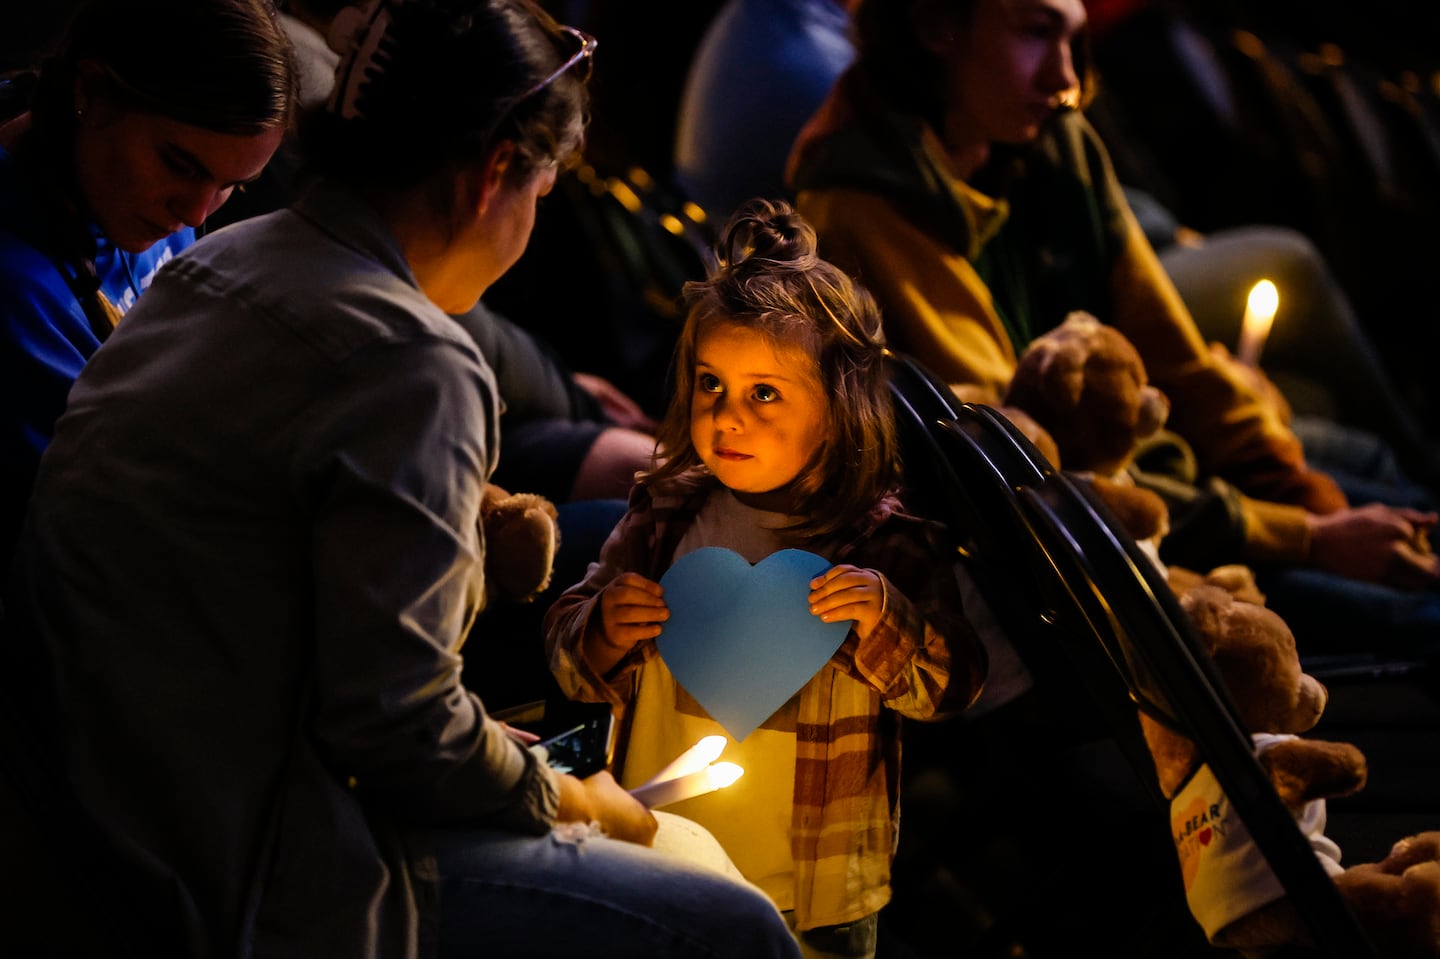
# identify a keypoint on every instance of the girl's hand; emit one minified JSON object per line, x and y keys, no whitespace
{"x":849,"y":592}
{"x":632,"y":610}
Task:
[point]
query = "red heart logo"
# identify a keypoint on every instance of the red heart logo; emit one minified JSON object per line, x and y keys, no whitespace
{"x":1205,"y":835}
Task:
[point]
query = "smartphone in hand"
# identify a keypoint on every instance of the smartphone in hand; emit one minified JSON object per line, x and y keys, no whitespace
{"x":584,"y":749}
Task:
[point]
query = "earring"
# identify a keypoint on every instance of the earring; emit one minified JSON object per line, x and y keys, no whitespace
{"x":80,"y":113}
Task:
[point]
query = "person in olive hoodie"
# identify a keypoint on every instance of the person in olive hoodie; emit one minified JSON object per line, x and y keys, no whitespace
{"x":953,"y":170}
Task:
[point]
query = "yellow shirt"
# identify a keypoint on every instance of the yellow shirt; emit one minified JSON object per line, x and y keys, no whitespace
{"x":750,"y":817}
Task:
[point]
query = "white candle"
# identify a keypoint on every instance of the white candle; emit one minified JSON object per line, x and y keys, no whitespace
{"x":697,"y":757}
{"x":1260,"y":308}
{"x":697,"y":783}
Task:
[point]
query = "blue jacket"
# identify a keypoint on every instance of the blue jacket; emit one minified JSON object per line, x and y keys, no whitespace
{"x":44,"y":336}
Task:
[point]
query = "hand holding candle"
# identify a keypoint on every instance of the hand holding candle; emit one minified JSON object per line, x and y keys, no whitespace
{"x":1260,"y":309}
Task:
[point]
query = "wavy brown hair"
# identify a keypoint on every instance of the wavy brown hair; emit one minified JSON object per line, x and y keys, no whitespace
{"x":770,"y":278}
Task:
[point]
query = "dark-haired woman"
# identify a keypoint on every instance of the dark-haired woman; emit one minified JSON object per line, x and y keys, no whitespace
{"x":266,"y":487}
{"x":130,"y":141}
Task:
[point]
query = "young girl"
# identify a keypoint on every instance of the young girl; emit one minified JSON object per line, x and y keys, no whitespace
{"x":780,"y":435}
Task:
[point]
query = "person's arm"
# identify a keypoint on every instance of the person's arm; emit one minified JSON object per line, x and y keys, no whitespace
{"x":1237,"y":432}
{"x":1379,"y":544}
{"x":572,"y":621}
{"x":600,"y":799}
{"x":391,"y":473}
{"x":532,"y":379}
{"x":618,"y":407}
{"x":1212,"y":523}
{"x":45,"y":341}
{"x":923,"y":656}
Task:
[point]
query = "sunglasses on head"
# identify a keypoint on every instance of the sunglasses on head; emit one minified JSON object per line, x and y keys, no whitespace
{"x":583,"y":57}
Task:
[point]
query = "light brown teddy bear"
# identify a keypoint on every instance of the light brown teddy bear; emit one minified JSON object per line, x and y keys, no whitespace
{"x":522,"y":533}
{"x":1231,"y":890}
{"x":1085,"y":383}
{"x":1084,"y":386}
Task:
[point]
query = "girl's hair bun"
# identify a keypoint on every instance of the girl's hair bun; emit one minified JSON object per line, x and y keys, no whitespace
{"x":765,"y":233}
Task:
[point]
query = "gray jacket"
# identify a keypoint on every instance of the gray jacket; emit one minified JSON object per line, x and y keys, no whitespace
{"x":250,"y":563}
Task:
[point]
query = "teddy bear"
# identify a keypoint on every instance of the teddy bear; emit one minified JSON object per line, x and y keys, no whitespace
{"x":522,"y":534}
{"x":1080,"y":393}
{"x":1231,"y":891}
{"x":1085,"y":383}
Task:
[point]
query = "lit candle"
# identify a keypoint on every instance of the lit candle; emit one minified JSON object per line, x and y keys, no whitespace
{"x":1260,"y":309}
{"x":697,"y":783}
{"x":697,"y":757}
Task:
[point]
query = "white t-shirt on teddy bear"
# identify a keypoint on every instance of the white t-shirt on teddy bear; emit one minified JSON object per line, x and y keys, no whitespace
{"x":1226,"y":876}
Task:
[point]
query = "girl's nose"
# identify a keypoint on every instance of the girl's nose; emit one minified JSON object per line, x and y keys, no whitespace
{"x":727,"y":414}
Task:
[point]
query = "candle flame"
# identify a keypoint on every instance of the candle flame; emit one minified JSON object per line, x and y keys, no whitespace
{"x":1260,"y":308}
{"x":1264,"y":299}
{"x":693,"y":760}
{"x":723,"y":774}
{"x":710,"y":748}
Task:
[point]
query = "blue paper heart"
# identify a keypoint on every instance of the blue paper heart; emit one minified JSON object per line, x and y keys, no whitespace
{"x":741,"y":639}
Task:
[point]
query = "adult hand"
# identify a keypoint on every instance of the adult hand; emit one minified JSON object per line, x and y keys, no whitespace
{"x":848,"y":592}
{"x":1377,"y":543}
{"x":598,"y":798}
{"x":632,"y":610}
{"x":522,"y":736}
{"x":621,"y":409}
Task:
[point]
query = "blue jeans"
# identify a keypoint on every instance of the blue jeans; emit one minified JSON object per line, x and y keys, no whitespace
{"x":1361,"y":462}
{"x":1330,"y":614}
{"x":573,"y":893}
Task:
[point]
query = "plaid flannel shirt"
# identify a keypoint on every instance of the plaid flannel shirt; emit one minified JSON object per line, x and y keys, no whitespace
{"x":924,"y":661}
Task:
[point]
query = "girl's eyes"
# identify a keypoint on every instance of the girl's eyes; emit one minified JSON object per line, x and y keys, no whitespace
{"x":710,"y":383}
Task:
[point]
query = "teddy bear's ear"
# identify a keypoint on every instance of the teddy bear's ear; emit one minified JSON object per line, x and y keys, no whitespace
{"x":1205,"y":605}
{"x":1080,"y":323}
{"x":1238,"y":580}
{"x":1060,"y":365}
{"x":1154,"y":411}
